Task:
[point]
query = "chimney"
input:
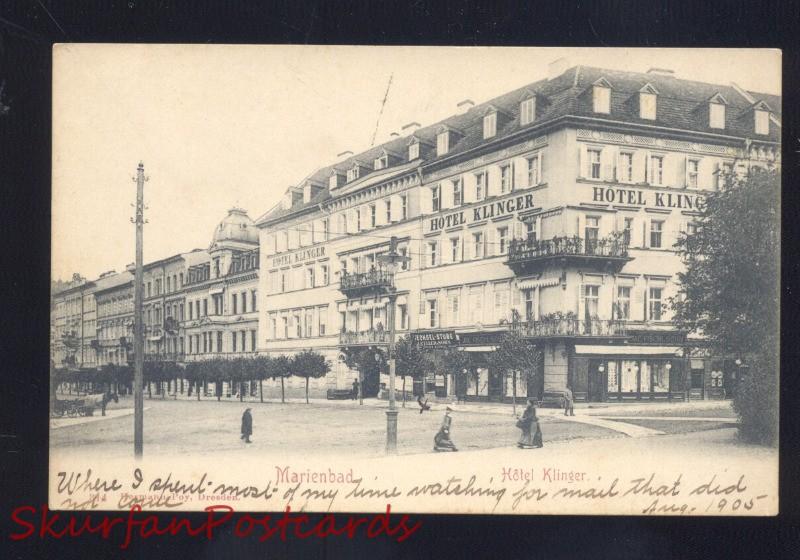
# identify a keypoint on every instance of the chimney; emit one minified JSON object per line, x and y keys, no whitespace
{"x":465,"y":106}
{"x":661,"y":71}
{"x":557,"y":67}
{"x":344,"y":154}
{"x":411,"y":127}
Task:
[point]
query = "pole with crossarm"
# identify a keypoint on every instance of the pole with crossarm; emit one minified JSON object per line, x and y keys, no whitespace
{"x":391,"y":260}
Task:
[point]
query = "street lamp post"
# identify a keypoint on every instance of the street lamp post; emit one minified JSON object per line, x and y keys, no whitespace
{"x":391,"y":260}
{"x":138,"y":331}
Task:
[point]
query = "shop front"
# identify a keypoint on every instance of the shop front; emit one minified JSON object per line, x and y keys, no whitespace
{"x":628,"y":373}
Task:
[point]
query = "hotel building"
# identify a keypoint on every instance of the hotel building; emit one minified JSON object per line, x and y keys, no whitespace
{"x":552,"y":209}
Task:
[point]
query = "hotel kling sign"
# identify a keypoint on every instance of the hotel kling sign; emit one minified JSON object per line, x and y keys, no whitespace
{"x":298,"y":257}
{"x":637,"y":197}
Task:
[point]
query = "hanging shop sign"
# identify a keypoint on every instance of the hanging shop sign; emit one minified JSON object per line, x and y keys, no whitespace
{"x":638,"y":197}
{"x":434,"y":339}
{"x":496,"y":209}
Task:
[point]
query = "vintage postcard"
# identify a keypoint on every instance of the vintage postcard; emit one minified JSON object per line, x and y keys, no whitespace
{"x":428,"y":279}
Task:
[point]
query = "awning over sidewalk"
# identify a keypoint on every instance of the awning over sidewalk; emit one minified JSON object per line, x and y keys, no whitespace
{"x":617,"y":350}
{"x":480,"y":348}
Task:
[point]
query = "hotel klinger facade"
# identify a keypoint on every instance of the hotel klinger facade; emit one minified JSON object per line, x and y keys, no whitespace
{"x":552,"y":209}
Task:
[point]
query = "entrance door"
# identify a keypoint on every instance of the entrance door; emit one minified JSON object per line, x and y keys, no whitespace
{"x":597,"y":381}
{"x":495,"y":386}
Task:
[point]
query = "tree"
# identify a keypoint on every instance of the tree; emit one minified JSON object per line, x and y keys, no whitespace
{"x":309,"y":364}
{"x":363,"y":359}
{"x":458,"y":363}
{"x":517,"y":355}
{"x":729,"y":292}
{"x":410,"y":361}
{"x":280,"y":367}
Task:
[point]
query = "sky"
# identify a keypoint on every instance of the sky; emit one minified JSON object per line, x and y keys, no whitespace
{"x":219,"y":126}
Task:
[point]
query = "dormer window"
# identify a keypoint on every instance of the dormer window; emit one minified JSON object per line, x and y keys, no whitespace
{"x":716,"y":112}
{"x":442,"y":142}
{"x":352,"y":173}
{"x":761,"y":121}
{"x":413,"y":151}
{"x":527,"y":111}
{"x":647,"y":102}
{"x":716,"y":115}
{"x":489,"y":125}
{"x":382,"y":162}
{"x":601,"y":96}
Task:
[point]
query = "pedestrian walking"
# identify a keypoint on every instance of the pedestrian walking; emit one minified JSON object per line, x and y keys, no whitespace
{"x":531,"y":431}
{"x":569,"y":409}
{"x":355,"y":389}
{"x":247,"y":426}
{"x":442,"y":441}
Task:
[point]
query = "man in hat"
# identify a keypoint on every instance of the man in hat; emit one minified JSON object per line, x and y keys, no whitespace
{"x":247,"y":426}
{"x":442,"y":441}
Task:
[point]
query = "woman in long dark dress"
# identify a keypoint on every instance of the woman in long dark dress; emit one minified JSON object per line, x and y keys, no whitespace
{"x":247,"y":426}
{"x":531,"y":431}
{"x":442,"y":441}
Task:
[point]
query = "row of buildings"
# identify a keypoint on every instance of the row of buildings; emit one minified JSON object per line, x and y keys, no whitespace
{"x":552,"y":209}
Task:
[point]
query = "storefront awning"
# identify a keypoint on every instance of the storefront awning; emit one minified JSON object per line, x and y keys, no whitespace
{"x":617,"y":350}
{"x":480,"y":348}
{"x":531,"y":283}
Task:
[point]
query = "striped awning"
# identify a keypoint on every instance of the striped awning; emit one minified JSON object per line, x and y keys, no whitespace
{"x":531,"y":283}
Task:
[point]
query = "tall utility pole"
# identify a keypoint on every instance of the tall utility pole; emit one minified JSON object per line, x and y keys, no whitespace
{"x":392,"y":260}
{"x":138,"y":324}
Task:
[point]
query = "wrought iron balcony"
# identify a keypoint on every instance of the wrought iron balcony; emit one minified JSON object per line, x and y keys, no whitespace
{"x":375,"y":281}
{"x":527,"y":255}
{"x":573,"y":328}
{"x":363,"y":338}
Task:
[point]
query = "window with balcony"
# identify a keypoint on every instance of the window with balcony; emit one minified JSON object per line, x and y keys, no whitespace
{"x":502,"y":240}
{"x":622,"y":307}
{"x":531,"y":235}
{"x":654,"y":304}
{"x":591,"y":233}
{"x":627,"y":226}
{"x":656,"y":232}
{"x":591,"y":302}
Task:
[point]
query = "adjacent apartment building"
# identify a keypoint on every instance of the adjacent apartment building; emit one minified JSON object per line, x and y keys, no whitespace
{"x":552,"y":209}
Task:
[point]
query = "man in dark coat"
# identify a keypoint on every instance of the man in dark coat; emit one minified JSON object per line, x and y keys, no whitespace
{"x":247,"y":426}
{"x":355,"y":389}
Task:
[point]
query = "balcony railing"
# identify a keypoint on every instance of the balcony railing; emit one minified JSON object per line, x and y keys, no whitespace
{"x":568,"y":327}
{"x":522,"y":253}
{"x":355,"y":283}
{"x":371,"y":336}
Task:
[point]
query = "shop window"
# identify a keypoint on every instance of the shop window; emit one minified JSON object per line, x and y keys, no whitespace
{"x":661,"y":376}
{"x":629,"y":377}
{"x":613,"y":377}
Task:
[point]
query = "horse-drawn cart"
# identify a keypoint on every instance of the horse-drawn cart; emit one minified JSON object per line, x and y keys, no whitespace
{"x":73,"y":407}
